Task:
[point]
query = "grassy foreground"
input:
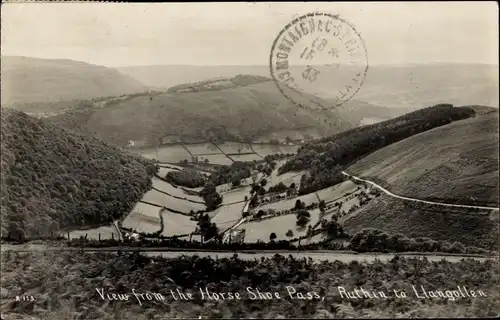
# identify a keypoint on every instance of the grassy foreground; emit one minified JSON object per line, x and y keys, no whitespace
{"x":63,"y":286}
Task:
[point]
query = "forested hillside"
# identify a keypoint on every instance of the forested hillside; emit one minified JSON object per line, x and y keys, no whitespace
{"x":52,"y":179}
{"x":324,"y":157}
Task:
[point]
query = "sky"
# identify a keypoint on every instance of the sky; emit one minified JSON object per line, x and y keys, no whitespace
{"x":127,"y":34}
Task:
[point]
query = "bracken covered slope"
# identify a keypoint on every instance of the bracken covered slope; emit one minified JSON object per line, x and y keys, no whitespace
{"x":455,"y":163}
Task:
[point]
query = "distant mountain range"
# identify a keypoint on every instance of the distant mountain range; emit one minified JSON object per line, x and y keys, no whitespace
{"x":144,"y":103}
{"x":411,"y":86}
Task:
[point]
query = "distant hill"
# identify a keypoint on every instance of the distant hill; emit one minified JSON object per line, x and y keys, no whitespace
{"x":167,"y":76}
{"x":27,"y":79}
{"x":455,"y":163}
{"x":242,"y":107}
{"x":52,"y":179}
{"x":409,"y":86}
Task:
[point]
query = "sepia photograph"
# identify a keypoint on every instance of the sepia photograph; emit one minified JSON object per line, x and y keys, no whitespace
{"x":249,"y":160}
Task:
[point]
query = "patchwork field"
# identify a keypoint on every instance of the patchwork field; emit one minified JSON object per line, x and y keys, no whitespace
{"x":178,"y":192}
{"x":233,"y":147}
{"x":337,"y":191}
{"x":246,"y":157}
{"x":143,"y":218}
{"x":290,"y":203}
{"x":177,"y":224}
{"x":230,"y":213}
{"x":162,"y":199}
{"x":172,"y":154}
{"x":218,"y":159}
{"x":106,"y":232}
{"x":261,"y":230}
{"x":236,"y":195}
{"x":202,"y":148}
{"x":287,"y":178}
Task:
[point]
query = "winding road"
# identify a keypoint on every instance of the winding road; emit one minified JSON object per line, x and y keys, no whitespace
{"x":413,"y":199}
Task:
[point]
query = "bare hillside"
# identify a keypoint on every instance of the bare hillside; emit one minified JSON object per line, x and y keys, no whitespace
{"x":31,"y":79}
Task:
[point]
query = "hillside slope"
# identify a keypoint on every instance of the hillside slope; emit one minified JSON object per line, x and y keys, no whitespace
{"x":237,"y":112}
{"x":31,"y":79}
{"x":52,"y":179}
{"x":455,"y":163}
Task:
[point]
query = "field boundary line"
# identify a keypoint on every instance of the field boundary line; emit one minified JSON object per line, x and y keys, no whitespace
{"x":251,"y":148}
{"x":177,"y":197}
{"x":222,"y":151}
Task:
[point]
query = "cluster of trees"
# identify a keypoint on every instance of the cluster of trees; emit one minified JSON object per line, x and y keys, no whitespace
{"x":232,"y":174}
{"x":319,"y":177}
{"x":211,"y":197}
{"x":206,"y":228}
{"x":375,"y":240}
{"x":186,"y":177}
{"x":331,"y":153}
{"x":54,"y":179}
{"x":277,"y":156}
{"x":280,"y":187}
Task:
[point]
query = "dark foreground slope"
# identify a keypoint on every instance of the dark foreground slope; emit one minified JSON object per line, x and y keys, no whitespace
{"x":52,"y":179}
{"x":455,"y":163}
{"x":231,"y":109}
{"x":68,"y":289}
{"x":27,"y":79}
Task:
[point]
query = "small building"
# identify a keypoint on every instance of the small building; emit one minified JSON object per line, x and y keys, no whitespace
{"x":234,"y":236}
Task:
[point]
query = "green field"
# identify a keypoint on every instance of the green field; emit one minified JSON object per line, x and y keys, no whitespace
{"x":162,"y":199}
{"x":287,"y":178}
{"x":233,"y":147}
{"x":202,"y":148}
{"x":178,"y":192}
{"x":143,"y":218}
{"x":172,"y":154}
{"x":177,"y":224}
{"x":261,"y":230}
{"x":455,"y":162}
{"x":217,"y":159}
{"x":290,"y":203}
{"x":236,"y":195}
{"x":225,"y":214}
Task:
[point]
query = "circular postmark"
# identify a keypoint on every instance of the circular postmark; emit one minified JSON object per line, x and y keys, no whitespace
{"x":319,"y":61}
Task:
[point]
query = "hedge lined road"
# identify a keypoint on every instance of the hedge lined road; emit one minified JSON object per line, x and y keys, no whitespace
{"x":413,"y":199}
{"x":317,"y":256}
